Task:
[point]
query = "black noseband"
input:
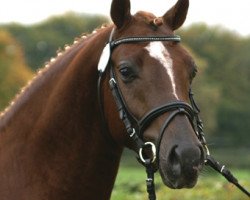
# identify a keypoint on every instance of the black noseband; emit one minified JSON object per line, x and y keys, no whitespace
{"x":180,"y":106}
{"x":174,"y":108}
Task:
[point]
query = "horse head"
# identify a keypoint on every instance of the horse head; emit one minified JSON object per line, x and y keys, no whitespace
{"x":150,"y":74}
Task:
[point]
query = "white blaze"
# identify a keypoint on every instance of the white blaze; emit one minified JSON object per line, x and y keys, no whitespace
{"x":160,"y":53}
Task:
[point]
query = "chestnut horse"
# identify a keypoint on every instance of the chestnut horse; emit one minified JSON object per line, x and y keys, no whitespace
{"x":54,"y":142}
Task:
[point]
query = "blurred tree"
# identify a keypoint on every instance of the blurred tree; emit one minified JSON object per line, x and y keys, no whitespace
{"x":205,"y":93}
{"x":227,"y":57}
{"x":14,"y":72}
{"x":41,"y":41}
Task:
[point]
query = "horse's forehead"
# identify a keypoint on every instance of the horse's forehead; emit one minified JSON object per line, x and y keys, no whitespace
{"x":159,"y":52}
{"x":144,"y":16}
{"x":147,"y":23}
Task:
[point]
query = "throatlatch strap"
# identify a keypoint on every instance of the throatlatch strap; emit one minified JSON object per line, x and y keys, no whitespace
{"x":225,"y":172}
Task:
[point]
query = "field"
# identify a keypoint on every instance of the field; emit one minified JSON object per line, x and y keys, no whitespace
{"x":130,"y":185}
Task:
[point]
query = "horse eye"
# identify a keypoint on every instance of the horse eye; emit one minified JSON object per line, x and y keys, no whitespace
{"x":127,"y":73}
{"x":194,"y":72}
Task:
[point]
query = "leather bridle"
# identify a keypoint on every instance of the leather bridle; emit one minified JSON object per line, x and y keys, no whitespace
{"x":136,"y":127}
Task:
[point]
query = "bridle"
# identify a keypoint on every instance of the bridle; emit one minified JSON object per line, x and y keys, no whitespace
{"x":136,"y":127}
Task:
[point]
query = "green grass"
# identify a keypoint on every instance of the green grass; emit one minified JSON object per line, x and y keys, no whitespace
{"x":130,"y":185}
{"x":130,"y":182}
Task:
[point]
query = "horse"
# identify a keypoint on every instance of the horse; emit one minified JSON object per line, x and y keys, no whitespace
{"x":60,"y":139}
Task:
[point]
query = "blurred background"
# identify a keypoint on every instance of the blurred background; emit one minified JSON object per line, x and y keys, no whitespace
{"x":217,"y":33}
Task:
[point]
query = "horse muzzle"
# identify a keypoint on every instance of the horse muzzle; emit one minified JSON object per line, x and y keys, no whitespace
{"x":180,"y":167}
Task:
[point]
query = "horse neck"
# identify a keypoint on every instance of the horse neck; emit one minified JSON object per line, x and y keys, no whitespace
{"x":57,"y":128}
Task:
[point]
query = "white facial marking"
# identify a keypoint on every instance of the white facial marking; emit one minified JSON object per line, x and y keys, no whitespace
{"x":160,"y":53}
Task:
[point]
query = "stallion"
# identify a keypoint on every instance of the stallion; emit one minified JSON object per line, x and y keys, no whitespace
{"x":60,"y":139}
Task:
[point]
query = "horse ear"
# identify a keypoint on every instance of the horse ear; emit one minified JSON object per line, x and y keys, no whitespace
{"x":120,"y":12}
{"x":176,"y":16}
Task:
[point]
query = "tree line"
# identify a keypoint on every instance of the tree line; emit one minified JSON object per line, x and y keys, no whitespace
{"x":221,"y":86}
{"x":228,"y":74}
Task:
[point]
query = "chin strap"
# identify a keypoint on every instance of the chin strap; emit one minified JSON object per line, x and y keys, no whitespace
{"x":225,"y":172}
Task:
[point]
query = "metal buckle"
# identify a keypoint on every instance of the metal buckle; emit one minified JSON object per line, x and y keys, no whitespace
{"x":153,"y":150}
{"x":112,"y":83}
{"x":132,"y":134}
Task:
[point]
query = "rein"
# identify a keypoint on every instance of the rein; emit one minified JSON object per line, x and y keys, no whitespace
{"x":136,"y":127}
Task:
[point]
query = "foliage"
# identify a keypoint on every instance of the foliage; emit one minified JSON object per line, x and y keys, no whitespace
{"x":41,"y":41}
{"x":202,"y":90}
{"x":227,"y":78}
{"x":14,"y":72}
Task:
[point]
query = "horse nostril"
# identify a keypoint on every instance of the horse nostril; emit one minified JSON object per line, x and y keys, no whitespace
{"x":173,"y":155}
{"x":185,"y":159}
{"x":191,"y":160}
{"x":174,"y":162}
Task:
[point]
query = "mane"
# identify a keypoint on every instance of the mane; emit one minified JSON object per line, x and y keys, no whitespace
{"x":49,"y":68}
